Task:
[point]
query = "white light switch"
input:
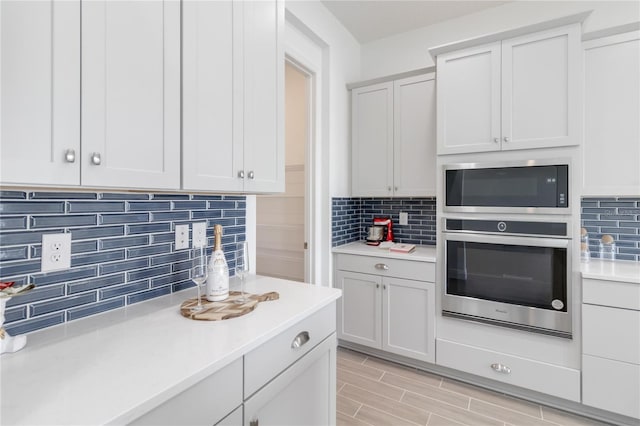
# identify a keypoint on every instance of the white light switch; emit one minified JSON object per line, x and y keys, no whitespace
{"x":404,"y":218}
{"x":182,"y":237}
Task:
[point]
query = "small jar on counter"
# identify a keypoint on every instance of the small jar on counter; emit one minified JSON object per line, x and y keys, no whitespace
{"x":607,"y":248}
{"x":585,"y":254}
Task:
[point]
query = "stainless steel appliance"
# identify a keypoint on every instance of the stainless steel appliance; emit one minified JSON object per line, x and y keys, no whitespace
{"x":533,"y":186}
{"x":510,"y":273}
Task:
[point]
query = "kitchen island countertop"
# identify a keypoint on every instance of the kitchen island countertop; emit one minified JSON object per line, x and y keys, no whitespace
{"x":113,"y":367}
{"x":422,"y":253}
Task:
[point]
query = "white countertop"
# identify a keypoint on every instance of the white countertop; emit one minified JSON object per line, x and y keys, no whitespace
{"x":116,"y":366}
{"x":618,"y":270}
{"x":420,"y":254}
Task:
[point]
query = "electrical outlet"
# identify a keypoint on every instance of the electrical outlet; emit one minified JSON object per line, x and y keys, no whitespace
{"x":182,"y":237}
{"x":404,"y":218}
{"x":56,"y":252}
{"x":199,"y":234}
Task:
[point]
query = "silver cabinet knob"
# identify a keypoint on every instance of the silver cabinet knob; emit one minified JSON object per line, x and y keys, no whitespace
{"x":395,"y":188}
{"x":377,"y":285}
{"x":70,"y":155}
{"x":496,"y":140}
{"x":501,"y":368}
{"x":241,"y":174}
{"x":384,"y":287}
{"x":382,"y":266}
{"x":251,"y":175}
{"x":506,"y":139}
{"x":96,"y":159}
{"x":389,"y":188}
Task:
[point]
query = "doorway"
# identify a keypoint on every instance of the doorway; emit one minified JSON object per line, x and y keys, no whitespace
{"x":282,"y":220}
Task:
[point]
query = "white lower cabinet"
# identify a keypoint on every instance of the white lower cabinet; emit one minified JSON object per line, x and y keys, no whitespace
{"x":611,"y":346}
{"x":392,"y":313}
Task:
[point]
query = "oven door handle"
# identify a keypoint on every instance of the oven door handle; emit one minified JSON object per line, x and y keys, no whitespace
{"x":515,"y":240}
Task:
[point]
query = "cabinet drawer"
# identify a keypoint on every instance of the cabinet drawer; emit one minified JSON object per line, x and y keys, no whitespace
{"x":535,"y":375}
{"x":268,"y":360}
{"x":412,"y":270}
{"x":611,"y":385}
{"x":618,"y":294}
{"x":611,"y":333}
{"x":195,"y":405}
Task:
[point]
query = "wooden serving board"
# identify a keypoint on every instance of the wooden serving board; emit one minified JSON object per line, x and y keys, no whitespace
{"x":228,"y":308}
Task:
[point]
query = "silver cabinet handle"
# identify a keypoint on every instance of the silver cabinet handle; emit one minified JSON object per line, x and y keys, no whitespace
{"x":241,"y":174}
{"x":70,"y":155}
{"x":301,"y":339}
{"x":382,"y":266}
{"x":501,"y":368}
{"x":251,"y":175}
{"x":395,"y":188}
{"x":506,"y":139}
{"x":496,"y":140}
{"x":389,"y":188}
{"x":384,"y":286}
{"x":96,"y":159}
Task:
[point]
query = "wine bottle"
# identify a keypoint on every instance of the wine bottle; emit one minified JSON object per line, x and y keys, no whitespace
{"x":218,"y":278}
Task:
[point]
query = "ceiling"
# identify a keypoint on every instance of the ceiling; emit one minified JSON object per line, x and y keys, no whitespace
{"x":370,"y":20}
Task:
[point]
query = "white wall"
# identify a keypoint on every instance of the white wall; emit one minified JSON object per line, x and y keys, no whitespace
{"x":408,"y":51}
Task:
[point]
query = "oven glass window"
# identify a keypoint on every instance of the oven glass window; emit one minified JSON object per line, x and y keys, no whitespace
{"x":521,"y":275}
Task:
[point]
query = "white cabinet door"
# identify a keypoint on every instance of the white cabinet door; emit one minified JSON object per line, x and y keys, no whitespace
{"x":468,"y":100}
{"x":408,"y":318}
{"x":611,"y":149}
{"x":360,"y":308}
{"x":211,"y":120}
{"x":263,"y":103}
{"x":40,"y":92}
{"x":372,"y":140}
{"x":304,"y":394}
{"x":131,"y":94}
{"x":541,"y":89}
{"x":414,"y":136}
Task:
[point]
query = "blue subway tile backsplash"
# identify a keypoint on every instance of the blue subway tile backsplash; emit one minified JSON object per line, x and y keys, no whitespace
{"x":122,"y":252}
{"x":618,"y":217}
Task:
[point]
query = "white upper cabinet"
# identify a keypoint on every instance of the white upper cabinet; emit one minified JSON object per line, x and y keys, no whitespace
{"x":393,"y":138}
{"x":131,"y":94}
{"x":611,"y":150}
{"x":518,"y":93}
{"x":40,"y":92}
{"x":233,"y":96}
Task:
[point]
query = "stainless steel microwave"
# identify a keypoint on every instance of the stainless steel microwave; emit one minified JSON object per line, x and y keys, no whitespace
{"x":534,"y":186}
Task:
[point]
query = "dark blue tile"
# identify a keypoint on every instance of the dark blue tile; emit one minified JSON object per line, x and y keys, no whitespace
{"x":111,"y":268}
{"x":94,"y":207}
{"x":15,"y":314}
{"x":95,"y":308}
{"x":167,"y":237}
{"x":630,"y":237}
{"x":100,"y":257}
{"x":111,"y":243}
{"x":629,"y":224}
{"x":189,"y":205}
{"x":628,"y":211}
{"x":222,"y":205}
{"x":34,"y":324}
{"x":219,"y":221}
{"x":207,"y":197}
{"x":121,"y":290}
{"x":148,"y":228}
{"x":628,"y":250}
{"x":233,"y":213}
{"x":140,"y":297}
{"x":170,"y":279}
{"x":184,"y":265}
{"x":619,"y":230}
{"x":31,"y":207}
{"x":614,"y":217}
{"x":204,"y":214}
{"x":148,"y":251}
{"x":92,"y":284}
{"x":97,"y":232}
{"x":626,"y":257}
{"x":148,"y":272}
{"x":39,"y":293}
{"x":63,"y":195}
{"x":120,"y":196}
{"x":13,"y":222}
{"x":182,"y":285}
{"x":148,"y":206}
{"x":110,"y":219}
{"x":233,"y":230}
{"x":65,"y":221}
{"x":167,"y":216}
{"x":617,"y":204}
{"x":16,"y":195}
{"x":170,"y":258}
{"x":13,"y":253}
{"x":170,"y":196}
{"x":7,"y":269}
{"x":64,"y":276}
{"x":60,"y":304}
{"x":235,"y":197}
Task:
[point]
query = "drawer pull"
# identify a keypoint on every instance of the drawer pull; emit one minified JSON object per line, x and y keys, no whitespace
{"x":501,"y":368}
{"x":300,"y":340}
{"x":382,"y":266}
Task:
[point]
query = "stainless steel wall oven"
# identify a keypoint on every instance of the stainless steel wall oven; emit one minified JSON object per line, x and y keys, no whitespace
{"x":510,"y":273}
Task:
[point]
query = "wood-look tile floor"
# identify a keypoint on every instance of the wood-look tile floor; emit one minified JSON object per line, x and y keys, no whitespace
{"x":376,"y":392}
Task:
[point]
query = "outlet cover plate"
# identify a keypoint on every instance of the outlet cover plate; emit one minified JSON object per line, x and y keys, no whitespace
{"x":404,"y":218}
{"x":56,"y":252}
{"x":182,"y":237}
{"x":199,"y":234}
